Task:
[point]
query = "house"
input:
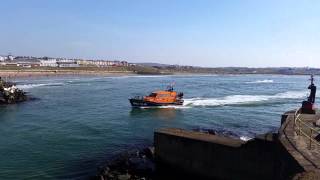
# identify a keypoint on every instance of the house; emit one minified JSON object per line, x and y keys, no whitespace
{"x":11,"y":64}
{"x":83,"y":62}
{"x":10,"y":57}
{"x":48,"y":63}
{"x":67,"y":63}
{"x":2,"y":58}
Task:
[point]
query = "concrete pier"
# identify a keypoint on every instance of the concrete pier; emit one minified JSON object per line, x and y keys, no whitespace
{"x":297,"y":145}
{"x":269,"y":156}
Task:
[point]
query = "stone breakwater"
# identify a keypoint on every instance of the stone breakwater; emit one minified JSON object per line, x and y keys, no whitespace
{"x":205,"y":154}
{"x":10,"y":94}
{"x":139,"y":164}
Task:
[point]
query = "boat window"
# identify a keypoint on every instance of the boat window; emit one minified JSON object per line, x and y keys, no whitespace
{"x":164,"y":95}
{"x":153,"y":95}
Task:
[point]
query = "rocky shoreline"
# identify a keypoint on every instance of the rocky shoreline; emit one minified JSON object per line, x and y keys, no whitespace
{"x":140,"y":164}
{"x":10,"y":94}
{"x":137,"y":164}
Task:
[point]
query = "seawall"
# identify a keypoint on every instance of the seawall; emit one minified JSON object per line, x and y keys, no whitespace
{"x":267,"y":156}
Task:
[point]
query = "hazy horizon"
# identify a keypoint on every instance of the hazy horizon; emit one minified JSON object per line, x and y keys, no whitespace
{"x":199,"y":33}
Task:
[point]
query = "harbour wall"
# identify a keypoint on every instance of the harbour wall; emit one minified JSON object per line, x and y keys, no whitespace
{"x":217,"y":157}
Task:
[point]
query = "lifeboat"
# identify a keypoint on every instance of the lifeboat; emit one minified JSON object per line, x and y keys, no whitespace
{"x":158,"y":98}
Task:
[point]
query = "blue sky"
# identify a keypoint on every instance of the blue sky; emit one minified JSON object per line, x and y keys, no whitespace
{"x":211,"y":33}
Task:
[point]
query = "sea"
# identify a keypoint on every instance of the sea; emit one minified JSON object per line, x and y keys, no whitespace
{"x":74,"y":124}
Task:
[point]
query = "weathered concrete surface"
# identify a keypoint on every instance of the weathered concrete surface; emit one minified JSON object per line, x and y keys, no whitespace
{"x":299,"y":146}
{"x":284,"y":155}
{"x":212,"y":156}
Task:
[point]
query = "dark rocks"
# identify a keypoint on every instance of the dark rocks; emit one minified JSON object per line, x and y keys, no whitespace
{"x":221,"y":132}
{"x":132,"y":165}
{"x":9,"y":94}
{"x":124,"y":176}
{"x":149,"y":152}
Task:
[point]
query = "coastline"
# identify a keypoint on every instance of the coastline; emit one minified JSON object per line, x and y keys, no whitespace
{"x":24,"y":73}
{"x":38,"y":73}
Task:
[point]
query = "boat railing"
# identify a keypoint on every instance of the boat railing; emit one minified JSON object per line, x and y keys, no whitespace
{"x":305,"y":129}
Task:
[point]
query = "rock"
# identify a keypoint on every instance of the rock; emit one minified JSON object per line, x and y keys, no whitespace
{"x":10,"y":94}
{"x":149,"y":152}
{"x":124,"y":176}
{"x":134,"y":164}
{"x":101,"y":177}
{"x":106,"y":171}
{"x":141,"y":165}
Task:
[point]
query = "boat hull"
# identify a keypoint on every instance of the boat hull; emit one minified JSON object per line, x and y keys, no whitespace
{"x":142,"y":103}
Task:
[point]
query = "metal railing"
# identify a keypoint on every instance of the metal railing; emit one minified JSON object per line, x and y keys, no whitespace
{"x":305,"y":129}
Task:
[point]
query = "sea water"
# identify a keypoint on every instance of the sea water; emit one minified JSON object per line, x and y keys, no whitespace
{"x":77,"y":122}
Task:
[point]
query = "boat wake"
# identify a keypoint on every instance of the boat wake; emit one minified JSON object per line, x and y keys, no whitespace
{"x":260,"y":81}
{"x":30,"y":86}
{"x":243,"y":99}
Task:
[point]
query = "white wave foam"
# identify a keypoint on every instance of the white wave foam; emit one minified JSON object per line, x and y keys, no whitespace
{"x":243,"y":99}
{"x":29,"y":86}
{"x":245,"y":138}
{"x":260,"y":81}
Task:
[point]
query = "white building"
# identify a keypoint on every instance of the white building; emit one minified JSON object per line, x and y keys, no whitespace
{"x":102,"y":63}
{"x":2,"y":58}
{"x":49,"y":63}
{"x":67,"y":63}
{"x":10,"y":57}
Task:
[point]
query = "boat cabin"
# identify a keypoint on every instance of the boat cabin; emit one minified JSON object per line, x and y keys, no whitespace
{"x":162,"y":97}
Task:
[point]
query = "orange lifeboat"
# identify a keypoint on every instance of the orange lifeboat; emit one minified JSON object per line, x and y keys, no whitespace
{"x":159,"y":98}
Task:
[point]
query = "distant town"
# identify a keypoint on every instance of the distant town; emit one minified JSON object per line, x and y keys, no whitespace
{"x":20,"y":63}
{"x":30,"y":62}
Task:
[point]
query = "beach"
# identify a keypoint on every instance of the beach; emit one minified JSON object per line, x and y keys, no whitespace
{"x":38,"y":73}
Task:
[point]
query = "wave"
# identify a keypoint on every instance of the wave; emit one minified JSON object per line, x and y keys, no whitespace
{"x":260,"y":81}
{"x":245,"y":138}
{"x":30,"y":86}
{"x":243,"y":99}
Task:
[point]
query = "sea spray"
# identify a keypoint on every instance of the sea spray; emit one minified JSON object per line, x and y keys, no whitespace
{"x":30,"y":86}
{"x":260,"y":81}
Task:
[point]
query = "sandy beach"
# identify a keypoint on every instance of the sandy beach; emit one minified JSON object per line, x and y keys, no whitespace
{"x":35,"y":73}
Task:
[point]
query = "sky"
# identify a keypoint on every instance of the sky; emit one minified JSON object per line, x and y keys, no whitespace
{"x":207,"y":33}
